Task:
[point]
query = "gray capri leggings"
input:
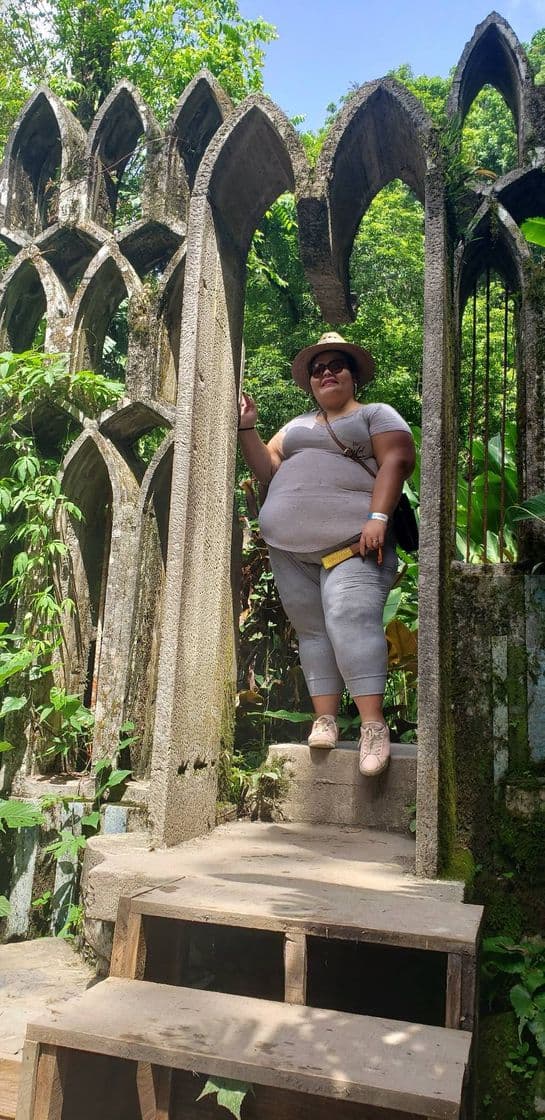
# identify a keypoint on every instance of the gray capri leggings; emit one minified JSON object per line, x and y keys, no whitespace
{"x":337,"y":614}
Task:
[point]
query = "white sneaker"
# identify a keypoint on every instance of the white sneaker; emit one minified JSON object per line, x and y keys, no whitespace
{"x":324,"y":733}
{"x":374,"y":748}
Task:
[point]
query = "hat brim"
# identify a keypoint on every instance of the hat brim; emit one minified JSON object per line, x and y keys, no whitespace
{"x":364,"y":361}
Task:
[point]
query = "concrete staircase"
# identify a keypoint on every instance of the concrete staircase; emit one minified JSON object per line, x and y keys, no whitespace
{"x":305,"y":960}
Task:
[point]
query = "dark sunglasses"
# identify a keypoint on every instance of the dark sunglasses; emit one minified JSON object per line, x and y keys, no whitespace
{"x":334,"y":366}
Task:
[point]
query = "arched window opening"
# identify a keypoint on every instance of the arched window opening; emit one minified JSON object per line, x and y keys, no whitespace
{"x":23,"y":318}
{"x":83,"y":577}
{"x":148,"y":444}
{"x":280,"y":317}
{"x":120,"y":148}
{"x":128,"y":177}
{"x":170,"y":318}
{"x":103,"y":323}
{"x":488,"y":446}
{"x":489,"y":136}
{"x":145,"y":643}
{"x":388,"y":286}
{"x":116,"y":344}
{"x":36,"y":162}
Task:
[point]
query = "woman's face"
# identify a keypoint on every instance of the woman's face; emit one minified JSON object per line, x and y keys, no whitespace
{"x":332,"y":388}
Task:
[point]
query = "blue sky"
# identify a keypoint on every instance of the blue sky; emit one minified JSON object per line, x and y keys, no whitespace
{"x":325,"y":45}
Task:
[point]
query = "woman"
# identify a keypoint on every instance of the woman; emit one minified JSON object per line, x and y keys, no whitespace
{"x":318,"y":500}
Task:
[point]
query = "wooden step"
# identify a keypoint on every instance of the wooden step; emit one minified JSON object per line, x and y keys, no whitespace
{"x":300,"y":909}
{"x":301,"y":1062}
{"x":326,"y":787}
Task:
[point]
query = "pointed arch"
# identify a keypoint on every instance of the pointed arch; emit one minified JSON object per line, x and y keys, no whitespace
{"x":103,"y":483}
{"x":69,"y":250}
{"x":200,"y":111}
{"x":150,"y":245}
{"x":108,"y":281}
{"x":30,"y":292}
{"x":121,"y":121}
{"x":354,"y":165}
{"x":170,"y":305}
{"x":128,"y":422}
{"x":42,"y":163}
{"x":494,"y":56}
{"x":153,"y":521}
{"x":492,"y":241}
{"x":522,"y":193}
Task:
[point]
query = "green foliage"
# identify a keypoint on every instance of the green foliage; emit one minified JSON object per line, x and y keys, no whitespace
{"x":19,"y":814}
{"x":83,"y":49}
{"x":67,"y":845}
{"x":32,"y":386}
{"x":257,"y":791}
{"x":230,"y":1094}
{"x":505,"y":961}
{"x":5,"y":908}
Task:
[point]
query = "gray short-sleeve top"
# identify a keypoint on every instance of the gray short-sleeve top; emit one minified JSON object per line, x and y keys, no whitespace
{"x":319,"y":498}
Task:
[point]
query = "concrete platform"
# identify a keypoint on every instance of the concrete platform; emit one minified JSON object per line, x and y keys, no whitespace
{"x":326,"y":787}
{"x":286,"y":854}
{"x":35,"y":977}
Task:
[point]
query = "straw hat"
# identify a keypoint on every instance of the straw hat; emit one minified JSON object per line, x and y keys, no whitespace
{"x":300,"y":370}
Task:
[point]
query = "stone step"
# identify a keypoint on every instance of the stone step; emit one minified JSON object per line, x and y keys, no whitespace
{"x":34,"y":976}
{"x":122,"y":1041}
{"x":268,"y":852}
{"x":326,"y":787}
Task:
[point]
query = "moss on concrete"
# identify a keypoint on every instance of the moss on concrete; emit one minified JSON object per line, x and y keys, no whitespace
{"x":461,"y":866}
{"x":501,"y":1095}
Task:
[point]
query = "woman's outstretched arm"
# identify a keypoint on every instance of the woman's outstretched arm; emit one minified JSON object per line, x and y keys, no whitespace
{"x":263,"y":459}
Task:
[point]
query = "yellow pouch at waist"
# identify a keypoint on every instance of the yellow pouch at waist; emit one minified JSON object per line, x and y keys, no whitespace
{"x":333,"y":558}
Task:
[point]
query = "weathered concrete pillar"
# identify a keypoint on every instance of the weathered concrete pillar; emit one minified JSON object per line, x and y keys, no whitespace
{"x":247,"y":165}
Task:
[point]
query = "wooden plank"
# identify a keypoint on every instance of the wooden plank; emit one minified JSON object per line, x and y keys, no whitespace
{"x":321,"y":910}
{"x":27,"y":1084}
{"x":153,"y":1085}
{"x":379,"y":1062}
{"x":10,"y":1076}
{"x":295,"y":968}
{"x":453,"y":1004}
{"x":48,"y":1096}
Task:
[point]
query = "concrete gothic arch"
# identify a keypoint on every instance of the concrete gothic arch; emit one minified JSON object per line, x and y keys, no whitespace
{"x":200,"y":111}
{"x":354,"y":165}
{"x":108,"y":281}
{"x":69,"y":250}
{"x":169,"y":313}
{"x":103,"y":483}
{"x":151,"y":244}
{"x":494,"y":241}
{"x":31,"y":291}
{"x":153,"y":521}
{"x":112,"y":139}
{"x":521,"y":192}
{"x":494,"y":56}
{"x":42,"y":167}
{"x":255,"y":156}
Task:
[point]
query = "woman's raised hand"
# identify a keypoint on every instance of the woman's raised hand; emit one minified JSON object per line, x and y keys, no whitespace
{"x":248,"y":413}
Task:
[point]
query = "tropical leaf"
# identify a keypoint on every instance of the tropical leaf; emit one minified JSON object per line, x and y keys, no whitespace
{"x":19,"y":814}
{"x":5,"y":907}
{"x":531,"y":507}
{"x":230,"y":1094}
{"x":533,"y":230}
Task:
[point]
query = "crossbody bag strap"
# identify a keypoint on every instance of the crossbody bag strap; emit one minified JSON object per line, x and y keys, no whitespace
{"x":350,"y":452}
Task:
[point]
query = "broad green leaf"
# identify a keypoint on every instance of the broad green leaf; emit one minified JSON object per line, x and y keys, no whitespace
{"x":19,"y":814}
{"x":533,"y":229}
{"x":230,"y":1094}
{"x":117,"y":777}
{"x":531,"y":507}
{"x":91,"y":820}
{"x":281,"y":713}
{"x":5,"y":746}
{"x":5,"y":906}
{"x":522,"y":1003}
{"x":11,"y":703}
